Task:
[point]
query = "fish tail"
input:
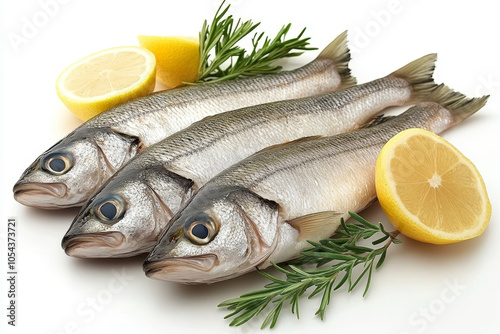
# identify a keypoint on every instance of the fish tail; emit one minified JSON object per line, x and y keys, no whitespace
{"x":419,"y":74}
{"x":459,"y":105}
{"x":338,"y":51}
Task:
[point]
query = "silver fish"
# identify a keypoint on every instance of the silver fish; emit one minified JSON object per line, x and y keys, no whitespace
{"x":267,"y":206}
{"x":127,"y":215}
{"x":68,"y":173}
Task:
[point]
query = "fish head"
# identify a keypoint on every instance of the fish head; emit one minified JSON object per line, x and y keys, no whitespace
{"x":68,"y":173}
{"x":213,"y":239}
{"x":126,"y":216}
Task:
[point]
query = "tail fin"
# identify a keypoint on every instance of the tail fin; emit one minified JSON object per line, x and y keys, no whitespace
{"x":339,"y":53}
{"x":457,"y":103}
{"x":418,"y":74}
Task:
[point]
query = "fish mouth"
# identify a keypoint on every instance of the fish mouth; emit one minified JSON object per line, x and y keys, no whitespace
{"x":189,"y":269}
{"x":40,"y":195}
{"x":92,"y":245}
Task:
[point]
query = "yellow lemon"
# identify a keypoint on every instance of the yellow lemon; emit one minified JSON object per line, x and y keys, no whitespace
{"x":429,"y":190}
{"x":105,"y":79}
{"x":177,"y":58}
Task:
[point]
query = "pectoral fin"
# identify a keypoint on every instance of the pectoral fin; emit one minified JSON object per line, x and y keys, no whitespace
{"x":317,"y":225}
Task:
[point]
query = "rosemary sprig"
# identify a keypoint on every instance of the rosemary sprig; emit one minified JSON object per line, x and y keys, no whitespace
{"x":222,"y":59}
{"x":343,"y":253}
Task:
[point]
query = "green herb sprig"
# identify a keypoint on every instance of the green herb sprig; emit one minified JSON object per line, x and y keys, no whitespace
{"x":343,"y":249}
{"x":222,"y":59}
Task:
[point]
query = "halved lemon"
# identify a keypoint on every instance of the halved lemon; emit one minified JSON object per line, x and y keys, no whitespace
{"x":429,"y":190}
{"x":177,"y":58}
{"x":105,"y":79}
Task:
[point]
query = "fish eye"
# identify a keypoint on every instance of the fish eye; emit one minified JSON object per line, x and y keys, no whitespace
{"x":57,"y":163}
{"x":109,"y":209}
{"x":200,"y":230}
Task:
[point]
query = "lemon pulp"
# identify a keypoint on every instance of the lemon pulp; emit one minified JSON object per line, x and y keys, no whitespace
{"x":105,"y":79}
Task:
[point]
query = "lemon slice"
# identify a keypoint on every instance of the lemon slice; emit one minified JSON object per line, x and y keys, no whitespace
{"x":105,"y":79}
{"x":177,"y":58}
{"x":429,"y":190}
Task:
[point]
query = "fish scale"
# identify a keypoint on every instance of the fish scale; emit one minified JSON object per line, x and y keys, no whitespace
{"x":189,"y":158}
{"x":266,"y":207}
{"x":169,"y":111}
{"x":327,"y":114}
{"x":85,"y":162}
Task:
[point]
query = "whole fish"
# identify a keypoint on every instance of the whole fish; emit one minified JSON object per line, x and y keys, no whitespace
{"x":127,"y":215}
{"x":267,"y":206}
{"x":68,"y":173}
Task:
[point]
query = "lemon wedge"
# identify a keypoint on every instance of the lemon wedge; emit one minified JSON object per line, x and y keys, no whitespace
{"x":429,"y":190}
{"x":177,"y":58}
{"x":105,"y":79}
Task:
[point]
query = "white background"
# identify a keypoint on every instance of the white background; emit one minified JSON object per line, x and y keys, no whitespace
{"x":420,"y":289}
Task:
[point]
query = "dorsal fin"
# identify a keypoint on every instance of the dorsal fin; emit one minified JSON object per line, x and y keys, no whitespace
{"x":313,"y":226}
{"x":291,"y":142}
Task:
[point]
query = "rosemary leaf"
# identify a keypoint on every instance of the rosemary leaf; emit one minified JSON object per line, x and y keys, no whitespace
{"x":381,"y":240}
{"x":381,"y":259}
{"x":370,"y":271}
{"x":342,"y":281}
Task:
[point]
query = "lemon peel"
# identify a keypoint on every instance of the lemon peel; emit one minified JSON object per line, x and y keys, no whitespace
{"x":177,"y":58}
